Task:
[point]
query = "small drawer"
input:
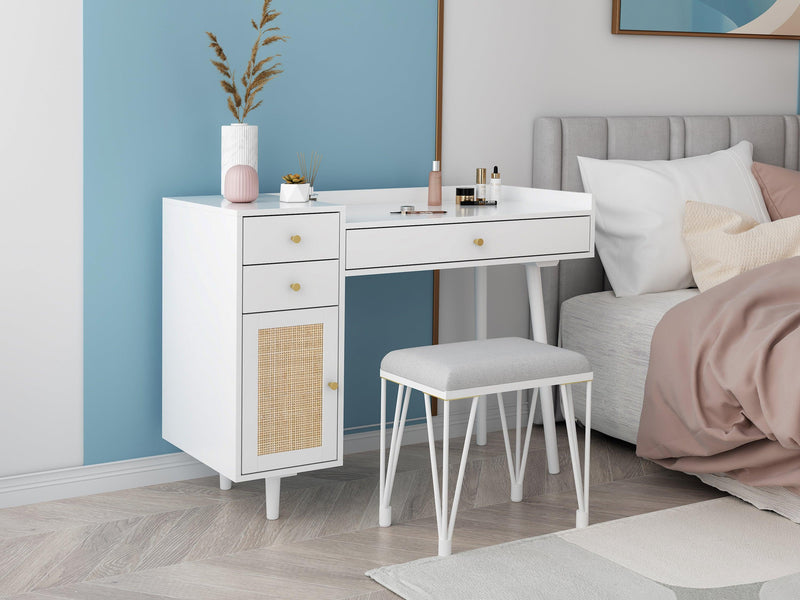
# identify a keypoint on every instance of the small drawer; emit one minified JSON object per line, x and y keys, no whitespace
{"x":290,"y":285}
{"x":466,"y":242}
{"x":290,"y":238}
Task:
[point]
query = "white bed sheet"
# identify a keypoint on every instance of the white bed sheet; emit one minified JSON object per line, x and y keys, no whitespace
{"x":614,"y":334}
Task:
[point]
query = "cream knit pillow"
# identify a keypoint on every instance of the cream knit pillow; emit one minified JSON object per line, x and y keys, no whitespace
{"x":723,"y":243}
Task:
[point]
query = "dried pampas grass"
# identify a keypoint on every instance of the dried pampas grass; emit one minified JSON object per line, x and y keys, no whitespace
{"x":257,"y":73}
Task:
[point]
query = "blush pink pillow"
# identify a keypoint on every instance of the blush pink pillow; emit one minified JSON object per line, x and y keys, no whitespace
{"x":780,"y":188}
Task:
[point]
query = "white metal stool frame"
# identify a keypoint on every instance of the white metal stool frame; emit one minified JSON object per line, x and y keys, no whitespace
{"x":445,"y":522}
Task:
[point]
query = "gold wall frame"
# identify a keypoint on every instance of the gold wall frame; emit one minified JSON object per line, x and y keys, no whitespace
{"x":438,"y":156}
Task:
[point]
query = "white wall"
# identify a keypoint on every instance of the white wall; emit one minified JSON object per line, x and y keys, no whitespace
{"x":510,"y":61}
{"x":41,"y":236}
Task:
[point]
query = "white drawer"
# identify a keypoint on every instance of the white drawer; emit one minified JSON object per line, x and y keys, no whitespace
{"x":290,"y":238}
{"x":270,"y":287}
{"x":482,"y":240}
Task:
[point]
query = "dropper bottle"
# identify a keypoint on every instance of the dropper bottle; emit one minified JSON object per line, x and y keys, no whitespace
{"x":494,"y":187}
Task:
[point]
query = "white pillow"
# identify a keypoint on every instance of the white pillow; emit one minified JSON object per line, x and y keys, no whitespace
{"x":640,"y":207}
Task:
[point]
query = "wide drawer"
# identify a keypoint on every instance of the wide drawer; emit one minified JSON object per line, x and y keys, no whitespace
{"x":290,"y":285}
{"x":475,"y":241}
{"x":290,"y":238}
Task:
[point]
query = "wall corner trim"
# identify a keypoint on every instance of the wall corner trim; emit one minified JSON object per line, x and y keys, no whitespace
{"x":58,"y":484}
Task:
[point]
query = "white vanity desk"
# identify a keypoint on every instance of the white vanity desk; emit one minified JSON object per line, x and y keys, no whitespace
{"x":253,"y":309}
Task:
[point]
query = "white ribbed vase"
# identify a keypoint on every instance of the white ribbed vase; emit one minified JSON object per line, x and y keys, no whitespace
{"x":239,"y":147}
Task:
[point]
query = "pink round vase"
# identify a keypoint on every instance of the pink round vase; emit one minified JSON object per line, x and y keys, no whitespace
{"x":241,"y":184}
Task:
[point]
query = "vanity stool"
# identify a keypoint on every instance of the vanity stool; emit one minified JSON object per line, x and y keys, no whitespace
{"x":466,"y":371}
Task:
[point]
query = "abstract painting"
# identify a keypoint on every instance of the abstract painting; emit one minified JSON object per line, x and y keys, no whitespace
{"x":718,"y":18}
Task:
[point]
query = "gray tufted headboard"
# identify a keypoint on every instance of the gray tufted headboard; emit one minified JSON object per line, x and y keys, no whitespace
{"x":557,"y":141}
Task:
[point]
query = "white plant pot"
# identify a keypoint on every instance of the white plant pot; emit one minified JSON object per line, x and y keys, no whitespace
{"x":239,"y":147}
{"x":295,"y":192}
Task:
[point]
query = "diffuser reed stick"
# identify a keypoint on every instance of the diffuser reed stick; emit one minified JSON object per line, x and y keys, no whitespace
{"x":309,"y":170}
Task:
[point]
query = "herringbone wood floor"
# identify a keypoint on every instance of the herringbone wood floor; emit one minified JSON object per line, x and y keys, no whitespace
{"x":190,"y":540}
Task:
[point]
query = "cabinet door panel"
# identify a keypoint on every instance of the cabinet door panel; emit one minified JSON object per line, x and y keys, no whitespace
{"x":289,"y":407}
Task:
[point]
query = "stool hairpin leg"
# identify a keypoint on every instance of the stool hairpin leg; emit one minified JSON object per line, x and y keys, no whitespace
{"x":581,"y":483}
{"x":586,"y":448}
{"x":447,"y":525}
{"x":516,"y":469}
{"x":386,"y":482}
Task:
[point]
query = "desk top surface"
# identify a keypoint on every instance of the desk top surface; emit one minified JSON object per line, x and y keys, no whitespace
{"x":373,"y":208}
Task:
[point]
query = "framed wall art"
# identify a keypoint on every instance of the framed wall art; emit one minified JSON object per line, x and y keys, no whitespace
{"x":778,"y":19}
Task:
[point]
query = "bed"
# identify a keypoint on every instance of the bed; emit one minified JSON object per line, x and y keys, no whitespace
{"x":615,"y":332}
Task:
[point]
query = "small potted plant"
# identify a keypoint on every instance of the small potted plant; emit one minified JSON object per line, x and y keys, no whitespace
{"x":240,"y":140}
{"x":295,"y":188}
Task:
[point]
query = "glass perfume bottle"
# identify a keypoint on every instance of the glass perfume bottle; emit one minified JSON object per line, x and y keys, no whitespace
{"x":435,"y":185}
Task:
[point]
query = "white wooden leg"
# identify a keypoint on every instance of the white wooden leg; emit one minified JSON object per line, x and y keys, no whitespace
{"x":481,"y":332}
{"x":273,"y":496}
{"x":388,"y":470}
{"x":516,"y":468}
{"x":224,"y":482}
{"x":445,"y":523}
{"x":536,"y":300}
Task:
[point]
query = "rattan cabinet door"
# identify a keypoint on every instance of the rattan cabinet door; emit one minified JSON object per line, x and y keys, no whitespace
{"x":289,"y":389}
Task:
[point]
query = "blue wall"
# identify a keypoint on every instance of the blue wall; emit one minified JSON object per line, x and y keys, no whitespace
{"x":358,"y":86}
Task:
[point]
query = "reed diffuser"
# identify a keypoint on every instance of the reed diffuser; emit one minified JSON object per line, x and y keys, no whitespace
{"x":309,"y":170}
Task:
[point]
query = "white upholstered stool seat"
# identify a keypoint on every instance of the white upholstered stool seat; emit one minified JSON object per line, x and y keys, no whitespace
{"x":469,"y":370}
{"x":448,"y":370}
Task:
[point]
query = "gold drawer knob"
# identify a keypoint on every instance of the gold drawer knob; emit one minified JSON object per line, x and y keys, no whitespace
{"x":478,"y":241}
{"x":333,"y":385}
{"x":295,"y":287}
{"x":296,"y":239}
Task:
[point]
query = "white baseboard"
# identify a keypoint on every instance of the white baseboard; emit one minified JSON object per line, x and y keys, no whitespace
{"x":58,"y":484}
{"x":95,"y":479}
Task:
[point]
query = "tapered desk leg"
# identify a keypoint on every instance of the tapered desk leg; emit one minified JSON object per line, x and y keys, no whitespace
{"x":536,"y":299}
{"x":273,"y":497}
{"x":481,"y":311}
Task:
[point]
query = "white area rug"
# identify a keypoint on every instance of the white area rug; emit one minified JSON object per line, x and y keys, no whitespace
{"x":721,"y":549}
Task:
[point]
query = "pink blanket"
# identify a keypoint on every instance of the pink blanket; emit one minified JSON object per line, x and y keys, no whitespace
{"x":723,"y":387}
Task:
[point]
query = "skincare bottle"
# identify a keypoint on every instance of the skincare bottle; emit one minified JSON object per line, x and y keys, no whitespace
{"x":435,"y":185}
{"x":480,"y":186}
{"x":494,"y":187}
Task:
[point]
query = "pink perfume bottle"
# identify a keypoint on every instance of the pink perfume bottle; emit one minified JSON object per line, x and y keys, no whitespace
{"x":435,"y":185}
